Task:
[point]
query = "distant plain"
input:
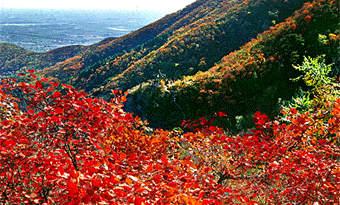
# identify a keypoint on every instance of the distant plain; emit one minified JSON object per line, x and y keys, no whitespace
{"x":41,"y":30}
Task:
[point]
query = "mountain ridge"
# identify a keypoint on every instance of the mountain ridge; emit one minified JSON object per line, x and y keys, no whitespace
{"x":200,"y":37}
{"x":36,"y":60}
{"x":125,"y":43}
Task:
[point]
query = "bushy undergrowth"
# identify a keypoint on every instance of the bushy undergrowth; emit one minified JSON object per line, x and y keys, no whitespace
{"x":67,"y":148}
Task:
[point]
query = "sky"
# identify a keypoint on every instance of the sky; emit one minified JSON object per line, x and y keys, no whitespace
{"x":168,"y":5}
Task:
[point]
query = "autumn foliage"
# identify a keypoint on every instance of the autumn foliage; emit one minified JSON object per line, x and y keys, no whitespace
{"x":59,"y":146}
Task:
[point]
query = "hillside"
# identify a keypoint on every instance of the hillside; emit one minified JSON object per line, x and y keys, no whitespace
{"x":99,"y":54}
{"x":14,"y":58}
{"x":178,"y":44}
{"x":10,"y":53}
{"x":153,"y":61}
{"x":254,"y":78}
{"x":224,"y":27}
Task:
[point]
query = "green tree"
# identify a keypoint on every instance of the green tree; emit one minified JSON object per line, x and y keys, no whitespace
{"x":323,"y":89}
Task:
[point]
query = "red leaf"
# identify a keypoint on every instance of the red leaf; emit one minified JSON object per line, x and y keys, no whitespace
{"x":260,"y":122}
{"x":114,"y":91}
{"x":107,"y":196}
{"x":23,"y":141}
{"x":123,"y":99}
{"x":204,"y":121}
{"x":8,"y":142}
{"x":114,"y":155}
{"x":164,"y":159}
{"x":122,"y":156}
{"x":274,"y":164}
{"x":54,"y":84}
{"x":212,"y":128}
{"x":157,"y":178}
{"x":41,"y":114}
{"x":149,"y":169}
{"x":119,"y":129}
{"x":200,"y":196}
{"x":66,"y":86}
{"x":33,"y":76}
{"x":128,"y":116}
{"x":119,"y":192}
{"x":58,"y":110}
{"x":126,"y":188}
{"x":70,"y":185}
{"x":95,"y":199}
{"x":206,"y":170}
{"x":172,"y":184}
{"x":56,"y":94}
{"x":221,"y":114}
{"x":158,"y":167}
{"x":132,"y":157}
{"x":283,"y":112}
{"x":139,"y":200}
{"x":293,"y":111}
{"x":227,"y":190}
{"x":61,"y":170}
{"x":322,"y":141}
{"x":95,"y":183}
{"x":55,"y":118}
{"x":5,"y":123}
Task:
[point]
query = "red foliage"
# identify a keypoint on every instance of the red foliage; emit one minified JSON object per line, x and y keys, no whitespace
{"x":64,"y":147}
{"x":307,"y":19}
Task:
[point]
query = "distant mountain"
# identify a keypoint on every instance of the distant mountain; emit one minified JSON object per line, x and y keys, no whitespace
{"x":14,"y":58}
{"x":11,"y":53}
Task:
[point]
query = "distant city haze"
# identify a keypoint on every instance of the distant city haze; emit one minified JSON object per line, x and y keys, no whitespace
{"x":167,"y":5}
{"x":42,"y":25}
{"x":42,"y":30}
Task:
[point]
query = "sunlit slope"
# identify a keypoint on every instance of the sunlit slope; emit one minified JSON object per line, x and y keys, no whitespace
{"x":254,"y":78}
{"x":72,"y":59}
{"x":109,"y":49}
{"x":193,"y":43}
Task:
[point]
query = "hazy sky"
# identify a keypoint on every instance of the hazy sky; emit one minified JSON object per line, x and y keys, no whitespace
{"x":170,"y":5}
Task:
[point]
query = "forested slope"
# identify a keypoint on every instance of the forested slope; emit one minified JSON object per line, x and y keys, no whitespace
{"x":81,"y":56}
{"x":193,"y":43}
{"x":14,"y":58}
{"x":254,"y":78}
{"x":9,"y":53}
{"x":99,"y":54}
